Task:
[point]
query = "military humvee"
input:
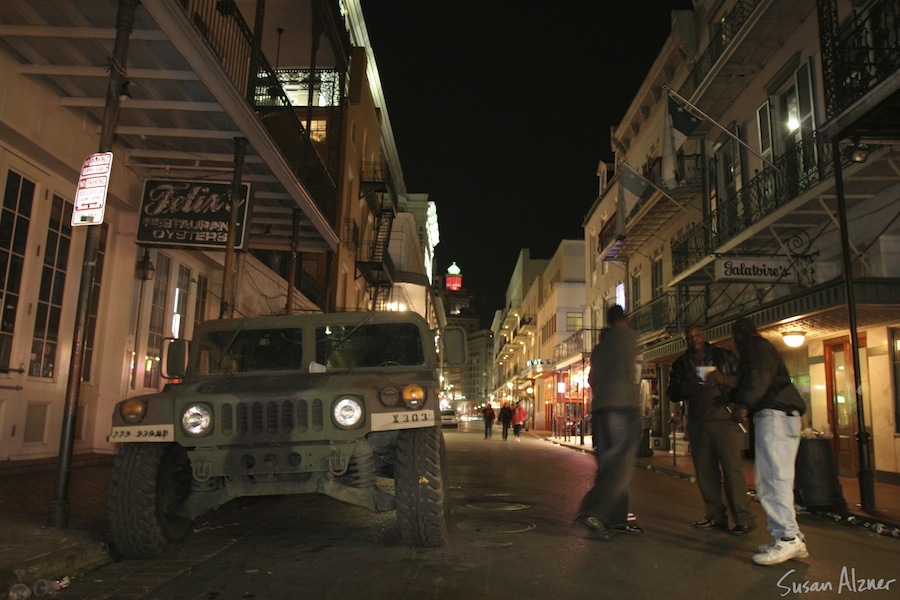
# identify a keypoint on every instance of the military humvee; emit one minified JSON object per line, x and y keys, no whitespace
{"x":323,"y":403}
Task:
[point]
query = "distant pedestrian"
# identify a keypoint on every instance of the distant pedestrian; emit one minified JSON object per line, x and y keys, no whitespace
{"x":767,"y":394}
{"x":615,"y":426}
{"x":505,"y":418}
{"x":702,"y":379}
{"x":488,"y":413}
{"x":518,"y":420}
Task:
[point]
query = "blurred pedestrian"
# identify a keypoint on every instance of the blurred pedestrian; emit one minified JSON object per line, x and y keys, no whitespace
{"x":518,"y":420}
{"x":767,"y":394}
{"x":615,"y":426}
{"x":488,"y":414}
{"x":505,"y":418}
{"x":702,"y":379}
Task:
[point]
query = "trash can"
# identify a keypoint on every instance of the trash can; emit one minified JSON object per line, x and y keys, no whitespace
{"x":816,"y":481}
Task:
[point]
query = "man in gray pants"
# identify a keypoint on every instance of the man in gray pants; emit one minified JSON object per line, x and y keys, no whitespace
{"x":615,"y":425}
{"x":701,"y":379}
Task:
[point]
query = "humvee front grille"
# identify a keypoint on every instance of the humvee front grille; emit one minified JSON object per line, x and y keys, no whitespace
{"x":271,"y":418}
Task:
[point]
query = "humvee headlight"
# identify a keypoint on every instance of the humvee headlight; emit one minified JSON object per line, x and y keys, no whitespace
{"x":196,"y":420}
{"x":347,"y":412}
{"x":414,"y":395}
{"x":133,"y":410}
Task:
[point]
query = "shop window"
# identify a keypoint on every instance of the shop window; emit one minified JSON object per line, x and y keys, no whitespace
{"x":157,"y":322}
{"x":48,"y":310}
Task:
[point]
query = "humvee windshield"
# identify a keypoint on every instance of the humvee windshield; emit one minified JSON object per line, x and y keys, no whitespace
{"x":369,"y":345}
{"x":247,"y":350}
{"x":337,"y":347}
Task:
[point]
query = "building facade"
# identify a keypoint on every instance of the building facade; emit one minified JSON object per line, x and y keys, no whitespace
{"x":781,"y":197}
{"x":196,"y":100}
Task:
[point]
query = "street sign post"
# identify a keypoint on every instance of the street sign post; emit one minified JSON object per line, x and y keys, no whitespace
{"x":90,"y":194}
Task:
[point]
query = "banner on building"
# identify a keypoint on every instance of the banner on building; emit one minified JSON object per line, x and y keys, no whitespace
{"x":191,"y":214}
{"x":755,"y":269}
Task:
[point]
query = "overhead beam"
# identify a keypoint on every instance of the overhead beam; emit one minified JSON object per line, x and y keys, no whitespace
{"x":89,"y":71}
{"x":182,"y":155}
{"x":212,"y":134}
{"x":77,"y":33}
{"x":144,"y":104}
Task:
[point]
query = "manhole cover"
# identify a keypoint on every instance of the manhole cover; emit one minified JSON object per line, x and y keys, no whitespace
{"x":497,"y":506}
{"x":493,"y":526}
{"x":491,"y":544}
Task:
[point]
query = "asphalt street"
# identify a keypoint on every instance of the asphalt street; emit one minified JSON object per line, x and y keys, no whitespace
{"x":512,"y":507}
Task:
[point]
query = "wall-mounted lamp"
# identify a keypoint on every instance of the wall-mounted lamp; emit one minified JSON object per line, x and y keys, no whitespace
{"x":145,"y":268}
{"x":856,"y":152}
{"x":794,"y":339}
{"x":125,"y":93}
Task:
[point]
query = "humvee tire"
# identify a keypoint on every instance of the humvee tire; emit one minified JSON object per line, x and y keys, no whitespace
{"x":420,"y":483}
{"x":149,"y":481}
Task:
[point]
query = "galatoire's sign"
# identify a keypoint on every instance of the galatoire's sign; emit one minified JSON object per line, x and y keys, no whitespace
{"x":190,"y":214}
{"x":755,"y":269}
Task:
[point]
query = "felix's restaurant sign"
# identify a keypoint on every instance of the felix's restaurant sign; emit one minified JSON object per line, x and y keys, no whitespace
{"x":190,"y":213}
{"x":755,"y":269}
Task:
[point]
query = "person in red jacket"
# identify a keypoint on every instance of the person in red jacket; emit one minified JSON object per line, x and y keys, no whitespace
{"x":518,"y":419}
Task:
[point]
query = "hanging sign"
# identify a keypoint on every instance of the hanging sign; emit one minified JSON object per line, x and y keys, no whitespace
{"x":755,"y":269}
{"x":180,"y":214}
{"x":90,"y":193}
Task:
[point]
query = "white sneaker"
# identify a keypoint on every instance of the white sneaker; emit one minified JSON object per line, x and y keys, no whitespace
{"x":780,"y":551}
{"x":764,"y":547}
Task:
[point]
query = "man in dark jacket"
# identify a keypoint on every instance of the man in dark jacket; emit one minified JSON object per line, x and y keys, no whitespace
{"x":702,"y":379}
{"x":766,"y":393}
{"x":615,"y":426}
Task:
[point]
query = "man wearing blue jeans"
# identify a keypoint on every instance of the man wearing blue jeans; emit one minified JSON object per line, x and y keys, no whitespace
{"x":766,"y":393}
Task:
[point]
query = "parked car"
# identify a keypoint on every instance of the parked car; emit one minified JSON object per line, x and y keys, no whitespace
{"x":449,"y":418}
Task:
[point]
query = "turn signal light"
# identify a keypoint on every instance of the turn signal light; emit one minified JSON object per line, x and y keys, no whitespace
{"x":414,"y":395}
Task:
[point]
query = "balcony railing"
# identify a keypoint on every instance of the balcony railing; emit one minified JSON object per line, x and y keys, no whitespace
{"x":724,"y":34}
{"x":690,"y":173}
{"x":794,"y":173}
{"x":581,"y":342}
{"x":670,"y":311}
{"x":220,"y":23}
{"x":868,"y":51}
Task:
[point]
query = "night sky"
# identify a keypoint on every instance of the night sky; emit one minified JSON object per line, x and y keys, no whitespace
{"x":501,"y":112}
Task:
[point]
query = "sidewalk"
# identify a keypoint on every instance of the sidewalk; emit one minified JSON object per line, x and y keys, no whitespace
{"x":887,"y":496}
{"x":30,"y":549}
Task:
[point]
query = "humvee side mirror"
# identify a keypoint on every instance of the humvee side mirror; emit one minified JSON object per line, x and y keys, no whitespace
{"x":455,"y":347}
{"x":176,"y":358}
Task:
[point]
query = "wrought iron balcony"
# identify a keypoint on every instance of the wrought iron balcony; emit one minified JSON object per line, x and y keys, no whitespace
{"x":795,"y":172}
{"x":579,"y":343}
{"x":867,"y":52}
{"x":726,"y":32}
{"x":220,"y":23}
{"x":648,"y":215}
{"x":671,"y":312}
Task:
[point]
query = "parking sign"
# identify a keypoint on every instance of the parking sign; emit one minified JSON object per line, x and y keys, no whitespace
{"x":90,"y":194}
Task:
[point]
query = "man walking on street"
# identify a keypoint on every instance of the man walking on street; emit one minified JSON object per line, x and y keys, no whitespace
{"x":488,"y":414}
{"x":767,"y":394}
{"x":615,"y":425}
{"x":701,"y":379}
{"x":505,"y":419}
